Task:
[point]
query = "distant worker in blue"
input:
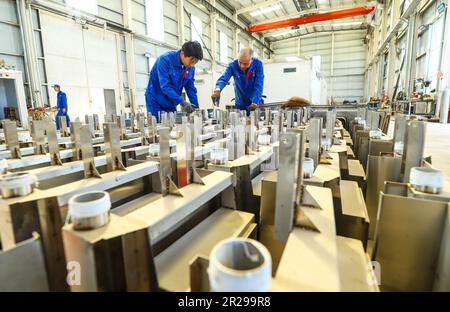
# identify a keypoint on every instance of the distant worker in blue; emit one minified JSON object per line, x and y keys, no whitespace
{"x":173,"y":71}
{"x":248,"y":74}
{"x":61,"y":104}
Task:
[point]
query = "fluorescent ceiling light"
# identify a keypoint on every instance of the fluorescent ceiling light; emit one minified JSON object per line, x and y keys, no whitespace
{"x":293,"y":58}
{"x":267,"y":10}
{"x":347,"y":24}
{"x":284,"y":33}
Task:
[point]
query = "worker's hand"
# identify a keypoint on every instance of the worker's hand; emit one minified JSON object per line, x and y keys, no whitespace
{"x":216,"y":94}
{"x":187,"y":107}
{"x":253,"y":106}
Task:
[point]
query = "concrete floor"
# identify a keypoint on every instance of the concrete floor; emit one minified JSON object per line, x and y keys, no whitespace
{"x":437,"y":144}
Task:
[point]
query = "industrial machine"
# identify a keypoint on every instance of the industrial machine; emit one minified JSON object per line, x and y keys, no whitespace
{"x":148,"y":206}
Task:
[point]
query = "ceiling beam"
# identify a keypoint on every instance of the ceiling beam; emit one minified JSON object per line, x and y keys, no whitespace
{"x":320,"y":33}
{"x":257,"y":6}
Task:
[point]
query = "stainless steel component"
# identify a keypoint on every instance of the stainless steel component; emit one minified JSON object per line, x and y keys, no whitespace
{"x":373,"y":120}
{"x":17,"y":184}
{"x":88,"y":152}
{"x":141,"y":128}
{"x":113,"y":153}
{"x":53,"y":146}
{"x":250,"y":134}
{"x":299,"y":117}
{"x":400,"y":128}
{"x":38,"y":134}
{"x":184,"y":154}
{"x":413,"y":148}
{"x":167,"y":185}
{"x":96,"y":122}
{"x":236,"y":146}
{"x":63,"y":124}
{"x":117,"y":257}
{"x":315,"y":139}
{"x":90,"y":123}
{"x":267,"y":119}
{"x":83,"y":223}
{"x":275,"y":128}
{"x":12,"y":138}
{"x":330,"y":124}
{"x":286,"y":190}
{"x":299,"y":162}
{"x":408,"y":254}
{"x":121,"y":123}
{"x":75,"y":138}
{"x":197,"y":130}
{"x":289,"y":119}
{"x":22,"y":267}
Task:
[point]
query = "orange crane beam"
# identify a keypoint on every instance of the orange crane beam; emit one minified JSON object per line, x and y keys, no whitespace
{"x":320,"y":17}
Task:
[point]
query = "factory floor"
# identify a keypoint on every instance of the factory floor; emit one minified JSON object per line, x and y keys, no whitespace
{"x":437,"y":144}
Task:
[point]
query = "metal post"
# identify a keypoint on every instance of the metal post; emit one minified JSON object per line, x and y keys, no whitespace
{"x":53,"y":146}
{"x":413,"y":148}
{"x":38,"y":135}
{"x":315,"y":139}
{"x":286,"y":189}
{"x":113,"y":152}
{"x":88,"y":153}
{"x":12,"y":138}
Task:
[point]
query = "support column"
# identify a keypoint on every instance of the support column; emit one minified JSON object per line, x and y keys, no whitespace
{"x":411,"y":54}
{"x":235,"y":37}
{"x":129,"y":46}
{"x":213,"y":17}
{"x":31,"y":62}
{"x":444,"y":82}
{"x":332,"y":66}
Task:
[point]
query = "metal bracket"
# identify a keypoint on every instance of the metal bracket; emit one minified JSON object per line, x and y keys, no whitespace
{"x":38,"y":134}
{"x":12,"y":138}
{"x":111,"y":133}
{"x":53,"y":146}
{"x":165,"y":172}
{"x":63,"y":123}
{"x":75,"y":138}
{"x":88,"y":153}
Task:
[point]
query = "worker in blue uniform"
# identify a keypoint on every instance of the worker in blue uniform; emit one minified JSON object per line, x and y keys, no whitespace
{"x":248,"y":74}
{"x":61,"y":104}
{"x":173,"y":71}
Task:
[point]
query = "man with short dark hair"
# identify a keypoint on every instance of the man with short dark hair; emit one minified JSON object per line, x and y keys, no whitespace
{"x":61,"y":103}
{"x":248,"y":74}
{"x":173,"y":71}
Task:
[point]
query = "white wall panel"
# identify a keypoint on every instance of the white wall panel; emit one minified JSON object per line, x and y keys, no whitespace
{"x":80,"y":60}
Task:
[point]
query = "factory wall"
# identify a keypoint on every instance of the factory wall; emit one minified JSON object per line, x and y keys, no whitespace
{"x":111,"y":50}
{"x":11,"y":46}
{"x":343,"y":58}
{"x":422,"y":56}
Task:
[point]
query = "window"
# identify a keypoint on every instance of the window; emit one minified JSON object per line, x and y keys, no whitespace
{"x":223,"y":41}
{"x":196,"y":29}
{"x":151,"y":62}
{"x":154,"y":16}
{"x":89,"y":6}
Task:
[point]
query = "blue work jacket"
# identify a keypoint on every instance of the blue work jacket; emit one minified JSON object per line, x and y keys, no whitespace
{"x":61,"y":101}
{"x":248,"y":85}
{"x":168,"y":77}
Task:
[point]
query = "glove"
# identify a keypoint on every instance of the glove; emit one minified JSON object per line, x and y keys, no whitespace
{"x":253,"y":106}
{"x":187,"y":107}
{"x":216,"y":97}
